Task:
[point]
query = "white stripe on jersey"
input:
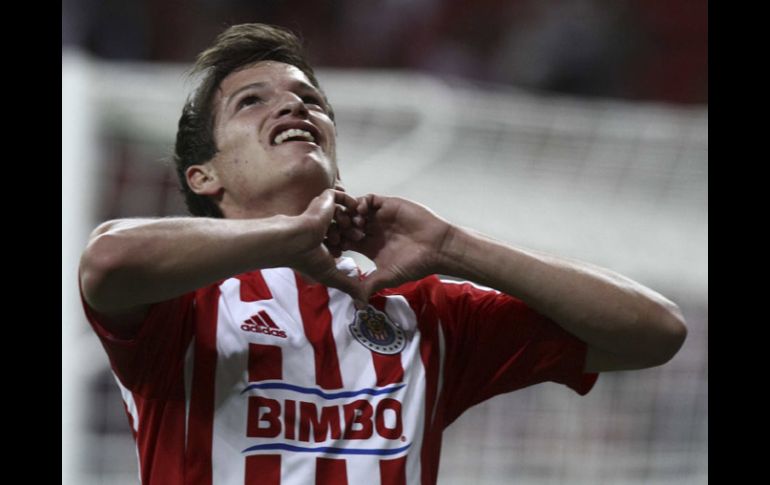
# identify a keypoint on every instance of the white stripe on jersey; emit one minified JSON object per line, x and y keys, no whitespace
{"x":189,"y":362}
{"x":128,"y":398}
{"x":398,"y":309}
{"x":230,"y":412}
{"x":356,"y":365}
{"x":440,"y":380}
{"x":294,"y":470}
{"x":462,"y":282}
{"x":369,"y":474}
{"x":299,"y":364}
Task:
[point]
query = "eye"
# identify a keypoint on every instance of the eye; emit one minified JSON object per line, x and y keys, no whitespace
{"x":312,"y":100}
{"x":248,"y":100}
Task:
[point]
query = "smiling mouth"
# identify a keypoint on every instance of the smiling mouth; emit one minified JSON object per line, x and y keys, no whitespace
{"x":293,"y":134}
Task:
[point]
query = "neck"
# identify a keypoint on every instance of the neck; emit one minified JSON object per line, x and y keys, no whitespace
{"x":284,"y":202}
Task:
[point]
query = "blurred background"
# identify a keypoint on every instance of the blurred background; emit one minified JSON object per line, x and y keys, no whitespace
{"x":578,"y":127}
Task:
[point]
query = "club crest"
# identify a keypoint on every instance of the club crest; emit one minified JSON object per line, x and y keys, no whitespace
{"x":375,"y":331}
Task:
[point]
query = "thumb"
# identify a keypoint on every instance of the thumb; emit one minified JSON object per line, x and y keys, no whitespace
{"x":378,"y":280}
{"x":340,"y":280}
{"x":322,"y":205}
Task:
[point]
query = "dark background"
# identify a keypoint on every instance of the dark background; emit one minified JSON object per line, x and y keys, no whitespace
{"x":629,"y":49}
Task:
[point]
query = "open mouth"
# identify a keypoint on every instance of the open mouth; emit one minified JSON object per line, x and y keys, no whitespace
{"x":295,"y":131}
{"x":293,"y":134}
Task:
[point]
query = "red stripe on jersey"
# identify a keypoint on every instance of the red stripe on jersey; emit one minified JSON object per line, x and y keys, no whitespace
{"x":201,"y":420}
{"x":265,"y":362}
{"x":427,"y":323}
{"x":253,"y":287}
{"x":387,"y":367}
{"x":434,"y":427}
{"x":317,"y":322}
{"x":393,"y":472}
{"x":161,"y":464}
{"x":329,"y":471}
{"x":263,"y":469}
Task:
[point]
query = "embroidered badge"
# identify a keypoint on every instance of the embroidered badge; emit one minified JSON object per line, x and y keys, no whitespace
{"x":374,"y":330}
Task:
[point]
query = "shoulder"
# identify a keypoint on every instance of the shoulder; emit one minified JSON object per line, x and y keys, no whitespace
{"x":423,"y":288}
{"x":437,"y":287}
{"x":449,"y":297}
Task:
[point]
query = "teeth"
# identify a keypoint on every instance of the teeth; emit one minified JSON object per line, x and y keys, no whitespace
{"x":291,"y":133}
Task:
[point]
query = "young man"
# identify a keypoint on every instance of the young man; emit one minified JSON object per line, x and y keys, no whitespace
{"x":248,"y":351}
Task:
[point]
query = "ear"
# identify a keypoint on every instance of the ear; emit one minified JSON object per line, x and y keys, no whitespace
{"x":203,"y":179}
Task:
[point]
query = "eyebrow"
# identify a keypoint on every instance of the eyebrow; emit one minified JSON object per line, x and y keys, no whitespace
{"x":244,"y":88}
{"x":297,"y":85}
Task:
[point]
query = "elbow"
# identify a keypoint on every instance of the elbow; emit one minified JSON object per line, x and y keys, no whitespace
{"x":672,"y":333}
{"x":101,"y":260}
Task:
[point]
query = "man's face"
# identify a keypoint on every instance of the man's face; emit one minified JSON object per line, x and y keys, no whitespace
{"x":264,"y":169}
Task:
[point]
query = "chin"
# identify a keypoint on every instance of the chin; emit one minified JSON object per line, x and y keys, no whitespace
{"x":312,"y":170}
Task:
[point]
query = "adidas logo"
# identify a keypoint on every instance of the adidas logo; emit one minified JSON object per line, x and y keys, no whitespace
{"x":262,"y":323}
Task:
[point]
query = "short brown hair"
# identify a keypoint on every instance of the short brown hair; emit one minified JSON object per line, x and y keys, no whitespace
{"x":236,"y":47}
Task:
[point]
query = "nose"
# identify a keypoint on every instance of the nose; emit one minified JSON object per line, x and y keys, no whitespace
{"x":292,"y":105}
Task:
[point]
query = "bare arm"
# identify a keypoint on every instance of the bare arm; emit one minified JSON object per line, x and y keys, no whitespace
{"x":625,"y":324}
{"x":130,"y":264}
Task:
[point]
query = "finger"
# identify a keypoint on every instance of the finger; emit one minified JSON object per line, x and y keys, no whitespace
{"x":359,"y":221}
{"x":378,"y":280}
{"x":342,"y":218}
{"x":333,"y":235}
{"x":345,"y":200}
{"x":375,"y":202}
{"x":370,"y":227}
{"x":343,"y":282}
{"x":334,"y":250}
{"x":353,"y":234}
{"x":322,"y":206}
{"x":359,"y":304}
{"x":362,"y":206}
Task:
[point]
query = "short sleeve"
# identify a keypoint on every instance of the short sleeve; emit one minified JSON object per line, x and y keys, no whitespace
{"x":148,"y":363}
{"x":496,"y":344}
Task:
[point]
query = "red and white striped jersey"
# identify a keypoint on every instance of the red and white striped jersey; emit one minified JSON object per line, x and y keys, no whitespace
{"x":266,"y":378}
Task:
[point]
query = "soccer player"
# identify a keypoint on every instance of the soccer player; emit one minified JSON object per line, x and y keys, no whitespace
{"x":249,"y":351}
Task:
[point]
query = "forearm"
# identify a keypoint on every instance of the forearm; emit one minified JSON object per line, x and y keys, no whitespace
{"x":134,"y":262}
{"x":602,"y":308}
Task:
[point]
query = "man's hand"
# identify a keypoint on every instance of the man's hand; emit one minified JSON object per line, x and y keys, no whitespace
{"x":404,"y":239}
{"x":326,"y":228}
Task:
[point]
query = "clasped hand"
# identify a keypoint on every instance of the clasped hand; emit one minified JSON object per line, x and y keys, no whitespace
{"x":406,"y":240}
